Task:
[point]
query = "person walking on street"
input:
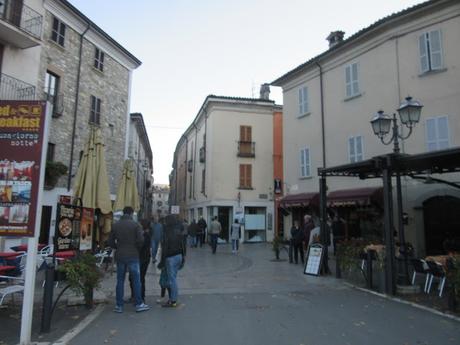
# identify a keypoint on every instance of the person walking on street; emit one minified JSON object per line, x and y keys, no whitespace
{"x":202,"y":224}
{"x":214,"y":230}
{"x":185,"y":235}
{"x":156,"y":234}
{"x":127,"y":238}
{"x":193,"y":232}
{"x":308,"y":226}
{"x":172,"y":253}
{"x":297,"y":237}
{"x":235,"y":236}
{"x":144,"y":255}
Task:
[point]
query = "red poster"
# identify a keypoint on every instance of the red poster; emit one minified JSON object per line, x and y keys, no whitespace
{"x":22,"y":126}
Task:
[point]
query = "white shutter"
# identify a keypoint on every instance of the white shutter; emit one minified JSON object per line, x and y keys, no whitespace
{"x":435,"y":50}
{"x":431,"y":135}
{"x":354,"y":69}
{"x":359,"y":148}
{"x":302,"y":163}
{"x":305,"y":100}
{"x":348,"y":81}
{"x":307,"y":162}
{"x":351,"y":149}
{"x":443,"y":132}
{"x":423,"y":53}
{"x":300,"y":102}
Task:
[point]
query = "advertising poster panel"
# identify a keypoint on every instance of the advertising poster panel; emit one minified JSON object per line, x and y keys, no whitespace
{"x":21,"y":140}
{"x":86,"y":228}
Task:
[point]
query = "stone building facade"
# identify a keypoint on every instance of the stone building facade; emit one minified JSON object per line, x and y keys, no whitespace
{"x":85,"y":75}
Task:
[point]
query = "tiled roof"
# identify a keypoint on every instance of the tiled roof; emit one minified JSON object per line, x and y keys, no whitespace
{"x":244,"y":99}
{"x":288,"y":75}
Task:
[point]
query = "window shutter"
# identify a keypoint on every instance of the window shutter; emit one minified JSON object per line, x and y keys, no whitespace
{"x":305,"y":100}
{"x":300,"y":102}
{"x":248,"y":133}
{"x":423,"y":53}
{"x":245,"y":133}
{"x":354,"y":69}
{"x":248,"y":176}
{"x":242,"y":175}
{"x":307,"y":162}
{"x":435,"y":49}
{"x":443,"y":132}
{"x":359,"y":148}
{"x":431,"y":134}
{"x":302,"y":163}
{"x":351,"y":149}
{"x":348,"y":80}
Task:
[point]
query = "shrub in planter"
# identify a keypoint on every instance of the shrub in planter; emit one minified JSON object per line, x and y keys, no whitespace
{"x":82,"y":275}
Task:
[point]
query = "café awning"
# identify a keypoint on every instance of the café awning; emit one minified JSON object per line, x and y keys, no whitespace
{"x":300,"y":200}
{"x":355,"y":197}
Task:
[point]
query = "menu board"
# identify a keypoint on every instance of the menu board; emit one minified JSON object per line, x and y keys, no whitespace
{"x":21,"y":141}
{"x":314,"y":259}
{"x":74,"y":227}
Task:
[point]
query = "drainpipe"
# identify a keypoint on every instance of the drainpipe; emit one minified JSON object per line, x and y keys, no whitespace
{"x":75,"y":113}
{"x":205,"y":151}
{"x":194,"y":160}
{"x":186,"y":169}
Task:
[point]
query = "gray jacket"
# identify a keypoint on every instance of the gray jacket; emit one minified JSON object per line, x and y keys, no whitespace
{"x":215,"y":228}
{"x":127,"y":238}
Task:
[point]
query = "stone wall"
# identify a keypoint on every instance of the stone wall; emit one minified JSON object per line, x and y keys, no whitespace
{"x":111,"y":86}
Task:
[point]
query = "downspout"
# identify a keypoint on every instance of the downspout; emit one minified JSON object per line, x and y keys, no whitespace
{"x":205,"y":151}
{"x":77,"y":92}
{"x":186,"y":169}
{"x":322,"y":113}
{"x":194,"y":161}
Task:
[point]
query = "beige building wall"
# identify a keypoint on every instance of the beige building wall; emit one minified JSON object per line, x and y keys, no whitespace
{"x":389,"y":69}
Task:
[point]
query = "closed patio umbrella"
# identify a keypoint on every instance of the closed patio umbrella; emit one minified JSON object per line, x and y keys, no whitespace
{"x":92,"y":182}
{"x":127,"y":194}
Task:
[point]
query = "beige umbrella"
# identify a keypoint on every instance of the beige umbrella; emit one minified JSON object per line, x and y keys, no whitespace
{"x":127,"y":194}
{"x":92,"y":182}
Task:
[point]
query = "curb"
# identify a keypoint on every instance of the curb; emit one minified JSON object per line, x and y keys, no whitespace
{"x":80,"y":327}
{"x":399,"y":300}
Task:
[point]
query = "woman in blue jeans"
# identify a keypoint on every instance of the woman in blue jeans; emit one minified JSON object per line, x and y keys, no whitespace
{"x":172,"y":251}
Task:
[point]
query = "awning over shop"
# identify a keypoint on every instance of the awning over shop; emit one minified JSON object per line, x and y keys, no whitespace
{"x":300,"y":200}
{"x":355,"y":197}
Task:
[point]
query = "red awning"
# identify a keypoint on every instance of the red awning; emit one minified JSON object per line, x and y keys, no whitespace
{"x":300,"y":200}
{"x":355,"y":197}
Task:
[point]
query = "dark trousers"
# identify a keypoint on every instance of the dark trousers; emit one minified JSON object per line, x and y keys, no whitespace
{"x":291,"y":250}
{"x":214,"y":243}
{"x":298,"y":248}
{"x":199,"y":240}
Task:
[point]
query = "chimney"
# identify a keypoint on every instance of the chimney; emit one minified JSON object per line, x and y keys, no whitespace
{"x":335,"y":37}
{"x":265,"y":91}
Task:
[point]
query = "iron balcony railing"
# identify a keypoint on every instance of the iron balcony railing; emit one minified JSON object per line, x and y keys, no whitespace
{"x":21,"y":16}
{"x":15,"y":90}
{"x":246,"y":149}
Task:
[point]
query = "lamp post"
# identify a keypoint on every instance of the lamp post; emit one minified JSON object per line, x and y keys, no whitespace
{"x":409,"y":114}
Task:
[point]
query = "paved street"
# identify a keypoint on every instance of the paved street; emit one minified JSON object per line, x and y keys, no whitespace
{"x":249,"y":299}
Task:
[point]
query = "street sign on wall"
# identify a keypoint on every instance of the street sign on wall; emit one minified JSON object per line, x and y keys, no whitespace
{"x":175,"y":209}
{"x":21,"y":141}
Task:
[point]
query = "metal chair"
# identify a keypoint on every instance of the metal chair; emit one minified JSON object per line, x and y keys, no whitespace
{"x":14,"y":283}
{"x":436,"y":272}
{"x":421,"y":267}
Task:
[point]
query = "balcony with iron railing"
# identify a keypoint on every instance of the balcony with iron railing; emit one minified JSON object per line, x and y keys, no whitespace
{"x":20,"y":25}
{"x":246,"y":149}
{"x":15,"y":90}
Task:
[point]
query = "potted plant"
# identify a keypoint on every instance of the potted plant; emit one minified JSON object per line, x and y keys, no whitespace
{"x":83,"y":276}
{"x":53,"y":171}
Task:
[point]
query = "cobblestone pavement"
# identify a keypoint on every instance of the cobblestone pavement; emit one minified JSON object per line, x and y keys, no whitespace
{"x":250,"y":299}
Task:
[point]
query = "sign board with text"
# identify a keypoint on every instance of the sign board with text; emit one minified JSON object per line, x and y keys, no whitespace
{"x":314,"y":259}
{"x":22,"y":126}
{"x":74,"y":227}
{"x":175,"y":209}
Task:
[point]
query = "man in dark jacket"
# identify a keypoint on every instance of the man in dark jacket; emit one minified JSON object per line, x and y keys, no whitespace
{"x":127,"y":238}
{"x":172,"y":255}
{"x":203,"y":225}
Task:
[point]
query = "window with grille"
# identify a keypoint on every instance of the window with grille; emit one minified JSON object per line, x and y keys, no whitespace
{"x":99,"y":59}
{"x":58,"y":32}
{"x":95,"y":112}
{"x":245,"y":176}
{"x":430,"y":45}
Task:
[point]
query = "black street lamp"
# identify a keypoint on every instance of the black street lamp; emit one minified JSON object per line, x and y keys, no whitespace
{"x":409,"y":114}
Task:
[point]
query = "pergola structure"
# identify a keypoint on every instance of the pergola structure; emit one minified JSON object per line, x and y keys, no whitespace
{"x":386,"y":167}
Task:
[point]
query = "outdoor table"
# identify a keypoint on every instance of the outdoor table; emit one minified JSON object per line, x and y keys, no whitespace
{"x":8,"y":255}
{"x":4,"y":269}
{"x":23,"y":247}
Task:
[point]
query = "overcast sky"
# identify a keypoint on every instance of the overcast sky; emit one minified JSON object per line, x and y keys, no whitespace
{"x":192,"y":48}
